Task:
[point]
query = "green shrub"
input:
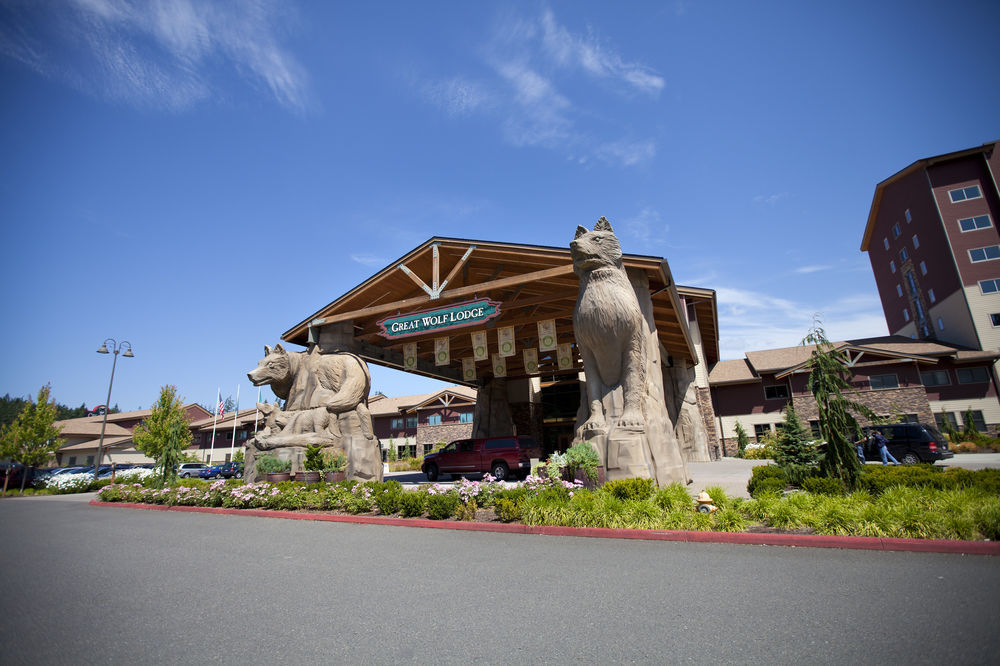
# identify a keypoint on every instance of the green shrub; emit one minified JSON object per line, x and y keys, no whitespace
{"x":768,"y":486}
{"x":387,"y":496}
{"x":509,"y":510}
{"x":413,"y":504}
{"x":674,"y":497}
{"x":582,"y":456}
{"x":442,"y":507}
{"x":630,"y":489}
{"x":729,"y":519}
{"x":269,"y":464}
{"x":822,"y":485}
{"x":986,"y":517}
{"x":466,"y":511}
{"x":771,"y":477}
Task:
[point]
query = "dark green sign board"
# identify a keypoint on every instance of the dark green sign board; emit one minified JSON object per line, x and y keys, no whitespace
{"x":459,"y":315}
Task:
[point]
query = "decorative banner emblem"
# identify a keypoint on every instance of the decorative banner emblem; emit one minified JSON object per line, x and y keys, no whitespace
{"x":505,"y":339}
{"x":471,"y":313}
{"x":499,"y":366}
{"x":468,"y":369}
{"x":547,"y":335}
{"x":410,"y":355}
{"x":441,"y":352}
{"x":531,"y":360}
{"x":479,"y":346}
{"x":566,"y":356}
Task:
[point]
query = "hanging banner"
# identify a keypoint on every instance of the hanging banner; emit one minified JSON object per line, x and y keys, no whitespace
{"x":505,"y":340}
{"x":566,"y":356}
{"x":442,"y":356}
{"x":410,"y":355}
{"x":547,"y":335}
{"x":531,"y":360}
{"x":468,"y":369}
{"x":470,"y":313}
{"x":479,"y":351}
{"x":499,"y":366}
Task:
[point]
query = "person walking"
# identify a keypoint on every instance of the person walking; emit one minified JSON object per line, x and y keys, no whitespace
{"x":883,"y":449}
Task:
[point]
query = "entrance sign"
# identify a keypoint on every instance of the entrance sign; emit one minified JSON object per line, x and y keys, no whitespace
{"x":470,"y":313}
{"x":547,"y":335}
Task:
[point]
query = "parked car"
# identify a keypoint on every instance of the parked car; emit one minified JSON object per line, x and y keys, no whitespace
{"x":909,"y":443}
{"x":500,"y":456}
{"x":230,"y":470}
{"x":188,"y":470}
{"x":212,"y":472}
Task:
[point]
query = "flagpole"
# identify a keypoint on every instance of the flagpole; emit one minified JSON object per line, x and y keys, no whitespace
{"x":256,"y":411}
{"x":215,"y":418}
{"x":236,"y":418}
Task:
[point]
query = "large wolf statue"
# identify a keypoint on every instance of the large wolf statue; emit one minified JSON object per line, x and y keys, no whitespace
{"x":326,"y":399}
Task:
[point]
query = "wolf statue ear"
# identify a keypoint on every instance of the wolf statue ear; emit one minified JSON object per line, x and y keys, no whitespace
{"x":580,"y":231}
{"x":267,"y":350}
{"x":279,"y":349}
{"x":603,"y":225}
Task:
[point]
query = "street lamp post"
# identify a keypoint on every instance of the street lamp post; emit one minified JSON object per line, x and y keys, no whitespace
{"x":115,"y":347}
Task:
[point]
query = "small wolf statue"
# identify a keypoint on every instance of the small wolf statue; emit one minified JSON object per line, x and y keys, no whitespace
{"x":609,"y":327}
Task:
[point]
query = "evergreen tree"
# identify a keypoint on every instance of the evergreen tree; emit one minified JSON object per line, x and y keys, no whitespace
{"x":828,"y":377}
{"x":164,"y":434}
{"x":32,"y":439}
{"x":949,"y":429}
{"x":741,"y":440}
{"x":794,"y":446}
{"x":971,"y":432}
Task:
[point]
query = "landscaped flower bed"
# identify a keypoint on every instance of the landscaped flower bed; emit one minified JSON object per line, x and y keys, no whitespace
{"x":969,"y":510}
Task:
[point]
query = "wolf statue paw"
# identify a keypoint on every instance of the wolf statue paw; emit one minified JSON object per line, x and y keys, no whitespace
{"x":631,"y":421}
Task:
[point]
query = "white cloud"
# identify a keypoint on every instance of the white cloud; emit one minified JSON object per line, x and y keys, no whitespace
{"x":159,"y":54}
{"x":751,"y":321}
{"x":627,"y":153}
{"x":457,"y":96}
{"x":371,"y":260}
{"x":812,"y":269}
{"x":646,"y":227}
{"x":770,"y":199}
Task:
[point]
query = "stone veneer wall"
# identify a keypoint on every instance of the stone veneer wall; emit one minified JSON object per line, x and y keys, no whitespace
{"x":428,"y":435}
{"x":707,"y":412}
{"x":912,"y":400}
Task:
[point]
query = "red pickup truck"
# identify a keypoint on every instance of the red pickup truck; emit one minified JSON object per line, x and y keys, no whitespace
{"x":502,"y":457}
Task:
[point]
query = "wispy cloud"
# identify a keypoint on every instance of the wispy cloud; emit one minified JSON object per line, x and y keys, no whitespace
{"x":371,"y":260}
{"x":646,"y":227}
{"x":812,"y":269}
{"x":751,"y":320}
{"x":770,"y":199}
{"x":161,"y":54}
{"x":530,"y":64}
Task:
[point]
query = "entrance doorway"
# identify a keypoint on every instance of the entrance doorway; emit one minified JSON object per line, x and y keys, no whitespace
{"x":560,"y":404}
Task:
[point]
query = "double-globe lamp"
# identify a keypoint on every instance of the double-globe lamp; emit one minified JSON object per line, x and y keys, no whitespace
{"x":115,"y":348}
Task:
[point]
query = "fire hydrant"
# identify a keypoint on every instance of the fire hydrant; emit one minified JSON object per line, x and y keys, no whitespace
{"x":705,"y":503}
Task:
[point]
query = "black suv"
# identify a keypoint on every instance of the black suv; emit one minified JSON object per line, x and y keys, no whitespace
{"x":909,"y":443}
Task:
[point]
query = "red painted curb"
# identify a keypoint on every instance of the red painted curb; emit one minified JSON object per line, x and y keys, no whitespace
{"x":743,"y":538}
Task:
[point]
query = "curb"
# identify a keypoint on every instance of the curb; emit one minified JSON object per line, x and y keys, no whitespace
{"x":743,"y":538}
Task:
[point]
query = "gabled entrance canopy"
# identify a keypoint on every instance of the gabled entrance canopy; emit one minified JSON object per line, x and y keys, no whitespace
{"x":531,"y":283}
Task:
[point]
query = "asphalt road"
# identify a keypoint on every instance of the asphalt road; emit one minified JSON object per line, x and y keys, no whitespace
{"x":84,"y":584}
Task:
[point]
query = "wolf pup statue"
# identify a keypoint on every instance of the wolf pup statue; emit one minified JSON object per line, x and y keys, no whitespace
{"x":609,"y":327}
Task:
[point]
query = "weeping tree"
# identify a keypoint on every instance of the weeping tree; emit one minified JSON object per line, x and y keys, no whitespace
{"x":828,"y":375}
{"x":741,"y":440}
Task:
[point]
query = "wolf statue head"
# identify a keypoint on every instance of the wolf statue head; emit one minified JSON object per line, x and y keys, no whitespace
{"x":275,"y":367}
{"x":595,"y":249}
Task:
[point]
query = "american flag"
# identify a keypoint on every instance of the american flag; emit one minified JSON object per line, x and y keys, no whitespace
{"x":221,"y":409}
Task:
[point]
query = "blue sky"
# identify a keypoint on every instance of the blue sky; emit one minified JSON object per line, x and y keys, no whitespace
{"x":197,"y":177}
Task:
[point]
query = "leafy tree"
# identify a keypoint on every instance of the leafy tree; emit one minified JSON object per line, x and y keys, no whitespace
{"x":971,"y":432}
{"x":238,"y":456}
{"x":828,"y":377}
{"x":164,"y":434}
{"x":741,"y":440}
{"x":32,"y":439}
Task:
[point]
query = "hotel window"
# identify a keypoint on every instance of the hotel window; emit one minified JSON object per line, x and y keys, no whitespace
{"x":906,"y":315}
{"x":923,"y":268}
{"x":916,"y":241}
{"x":895,"y":231}
{"x":935,"y":378}
{"x":989,"y":286}
{"x":397,"y":424}
{"x":885,"y":242}
{"x":892,"y":266}
{"x":977,"y":419}
{"x":995,"y":319}
{"x":930,"y":295}
{"x":988,"y":253}
{"x":814,"y":428}
{"x":411,"y":422}
{"x":761,"y":429}
{"x":903,"y":255}
{"x":906,"y":214}
{"x":972,"y":375}
{"x":883,"y":381}
{"x":940,"y":324}
{"x":465,"y":417}
{"x":946,"y":415}
{"x":911,"y":282}
{"x":899,"y":290}
{"x":964,"y":193}
{"x":776,"y":392}
{"x":973,"y":223}
{"x":434,"y":419}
